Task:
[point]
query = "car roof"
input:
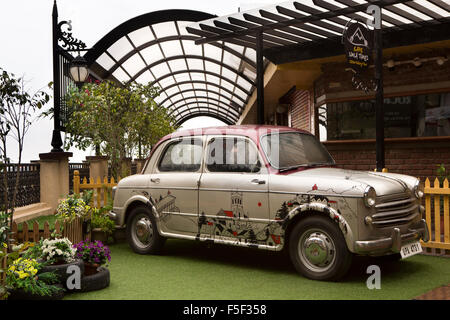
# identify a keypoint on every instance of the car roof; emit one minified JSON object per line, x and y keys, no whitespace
{"x":244,"y":130}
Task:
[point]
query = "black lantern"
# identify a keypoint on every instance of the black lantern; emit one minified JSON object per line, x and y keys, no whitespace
{"x":79,"y":70}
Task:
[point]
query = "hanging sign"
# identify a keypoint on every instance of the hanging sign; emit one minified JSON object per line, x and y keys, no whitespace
{"x":358,"y":46}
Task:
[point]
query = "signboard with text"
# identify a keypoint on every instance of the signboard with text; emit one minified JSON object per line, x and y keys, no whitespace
{"x":358,"y":46}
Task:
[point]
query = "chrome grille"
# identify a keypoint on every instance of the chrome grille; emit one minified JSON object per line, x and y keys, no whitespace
{"x":394,"y":211}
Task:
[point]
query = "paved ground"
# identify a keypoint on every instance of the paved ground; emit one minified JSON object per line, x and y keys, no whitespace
{"x":442,"y":293}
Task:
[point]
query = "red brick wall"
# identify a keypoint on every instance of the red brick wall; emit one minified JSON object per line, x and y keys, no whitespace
{"x":300,"y":109}
{"x":418,"y":158}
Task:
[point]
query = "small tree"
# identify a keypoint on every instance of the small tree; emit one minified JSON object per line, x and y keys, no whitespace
{"x":16,"y":108}
{"x":122,"y":119}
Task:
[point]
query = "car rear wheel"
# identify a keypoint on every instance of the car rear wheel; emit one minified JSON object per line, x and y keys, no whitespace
{"x":142,"y":234}
{"x":318,"y":250}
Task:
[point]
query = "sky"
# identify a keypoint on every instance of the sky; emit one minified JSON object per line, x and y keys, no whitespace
{"x":26,"y":46}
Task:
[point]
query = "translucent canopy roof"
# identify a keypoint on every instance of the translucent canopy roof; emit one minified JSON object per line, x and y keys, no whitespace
{"x":296,"y":30}
{"x":211,"y":79}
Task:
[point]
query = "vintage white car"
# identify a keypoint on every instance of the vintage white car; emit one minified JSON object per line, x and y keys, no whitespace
{"x":270,"y":188}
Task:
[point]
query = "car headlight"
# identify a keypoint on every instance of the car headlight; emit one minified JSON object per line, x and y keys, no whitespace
{"x":419,"y":189}
{"x":370,"y":197}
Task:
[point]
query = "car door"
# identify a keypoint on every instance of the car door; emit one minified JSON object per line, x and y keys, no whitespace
{"x":174,"y":185}
{"x":233,"y":193}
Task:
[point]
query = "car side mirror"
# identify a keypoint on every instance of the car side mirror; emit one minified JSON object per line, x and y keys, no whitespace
{"x":256,"y":167}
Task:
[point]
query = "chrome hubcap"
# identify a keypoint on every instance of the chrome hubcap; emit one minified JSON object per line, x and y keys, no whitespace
{"x":316,"y":250}
{"x":142,"y":231}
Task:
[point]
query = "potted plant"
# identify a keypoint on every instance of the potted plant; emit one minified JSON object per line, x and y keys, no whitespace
{"x":442,"y":174}
{"x":24,"y":282}
{"x":96,"y":256}
{"x":76,"y":209}
{"x":102,"y":226}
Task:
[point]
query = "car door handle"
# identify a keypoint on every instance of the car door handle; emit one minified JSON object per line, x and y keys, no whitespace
{"x":154,"y":180}
{"x":257,"y":181}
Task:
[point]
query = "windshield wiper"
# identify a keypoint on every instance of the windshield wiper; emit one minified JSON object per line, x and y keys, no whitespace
{"x":305,"y":165}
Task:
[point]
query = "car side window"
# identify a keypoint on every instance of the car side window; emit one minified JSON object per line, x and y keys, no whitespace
{"x":184,"y":155}
{"x":232,"y":154}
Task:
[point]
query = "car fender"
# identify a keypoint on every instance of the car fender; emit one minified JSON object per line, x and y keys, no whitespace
{"x":330,"y":212}
{"x":145,"y":200}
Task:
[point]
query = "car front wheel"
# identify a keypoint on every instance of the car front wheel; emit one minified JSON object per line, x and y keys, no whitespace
{"x":318,"y":250}
{"x":142,"y":235}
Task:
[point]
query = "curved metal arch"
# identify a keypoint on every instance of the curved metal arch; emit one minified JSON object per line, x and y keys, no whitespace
{"x":191,"y":56}
{"x":198,"y":97}
{"x":206,"y":102}
{"x":208,"y":84}
{"x":206,"y":98}
{"x":199,"y":114}
{"x":206,"y":112}
{"x":193,"y":90}
{"x":174,"y":38}
{"x":186,"y":71}
{"x":139,"y":22}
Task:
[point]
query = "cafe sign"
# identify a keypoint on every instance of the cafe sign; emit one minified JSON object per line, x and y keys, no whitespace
{"x":357,"y":41}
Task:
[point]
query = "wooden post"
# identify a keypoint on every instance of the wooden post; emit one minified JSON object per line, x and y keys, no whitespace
{"x":46,"y":230}
{"x":25,"y":231}
{"x":76,"y":181}
{"x":35,"y":231}
{"x":437,"y":213}
{"x":99,"y":193}
{"x":446,"y":214}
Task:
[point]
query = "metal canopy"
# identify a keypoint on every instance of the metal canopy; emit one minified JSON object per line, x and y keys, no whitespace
{"x":211,"y":79}
{"x":294,"y":31}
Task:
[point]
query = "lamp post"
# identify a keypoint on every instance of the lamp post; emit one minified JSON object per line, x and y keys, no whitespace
{"x":78,"y":71}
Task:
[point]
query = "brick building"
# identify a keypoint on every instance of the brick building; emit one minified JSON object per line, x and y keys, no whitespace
{"x":317,"y":95}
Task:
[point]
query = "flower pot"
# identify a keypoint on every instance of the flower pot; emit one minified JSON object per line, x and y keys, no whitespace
{"x":61,"y":270}
{"x":20,"y":294}
{"x":99,"y":235}
{"x":97,"y":281}
{"x":90,"y":268}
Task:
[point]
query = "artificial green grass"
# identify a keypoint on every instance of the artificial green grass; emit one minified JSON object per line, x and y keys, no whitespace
{"x":190,"y":270}
{"x":41,"y":220}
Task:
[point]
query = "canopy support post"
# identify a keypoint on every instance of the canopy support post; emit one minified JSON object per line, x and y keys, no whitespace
{"x":260,"y":77}
{"x":379,"y":100}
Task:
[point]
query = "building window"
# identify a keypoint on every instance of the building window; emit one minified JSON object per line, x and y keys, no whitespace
{"x":424,"y":115}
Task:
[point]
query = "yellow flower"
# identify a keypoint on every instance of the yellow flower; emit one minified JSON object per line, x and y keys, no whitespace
{"x":5,"y":245}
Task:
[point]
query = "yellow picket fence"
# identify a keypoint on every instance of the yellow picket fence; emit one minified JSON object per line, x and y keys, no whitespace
{"x":102,"y":189}
{"x":439,"y":222}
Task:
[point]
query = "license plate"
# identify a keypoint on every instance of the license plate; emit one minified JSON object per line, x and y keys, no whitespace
{"x":410,"y":249}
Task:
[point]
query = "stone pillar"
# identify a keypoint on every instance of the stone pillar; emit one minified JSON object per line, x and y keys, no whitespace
{"x":98,"y":167}
{"x":139,"y":164}
{"x":54,"y":177}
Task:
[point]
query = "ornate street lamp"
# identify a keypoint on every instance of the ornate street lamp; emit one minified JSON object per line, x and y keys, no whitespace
{"x":64,"y":68}
{"x":79,"y":70}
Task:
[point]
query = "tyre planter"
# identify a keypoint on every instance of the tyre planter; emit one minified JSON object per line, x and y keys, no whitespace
{"x":96,"y":281}
{"x":20,"y":294}
{"x":61,"y":270}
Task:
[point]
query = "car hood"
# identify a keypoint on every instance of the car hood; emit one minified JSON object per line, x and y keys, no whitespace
{"x":343,"y":181}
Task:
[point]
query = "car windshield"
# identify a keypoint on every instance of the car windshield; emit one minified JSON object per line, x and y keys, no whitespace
{"x":294,"y":149}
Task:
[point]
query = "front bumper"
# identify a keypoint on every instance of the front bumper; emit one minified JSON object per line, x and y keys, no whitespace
{"x":394,"y":242}
{"x":113,"y":216}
